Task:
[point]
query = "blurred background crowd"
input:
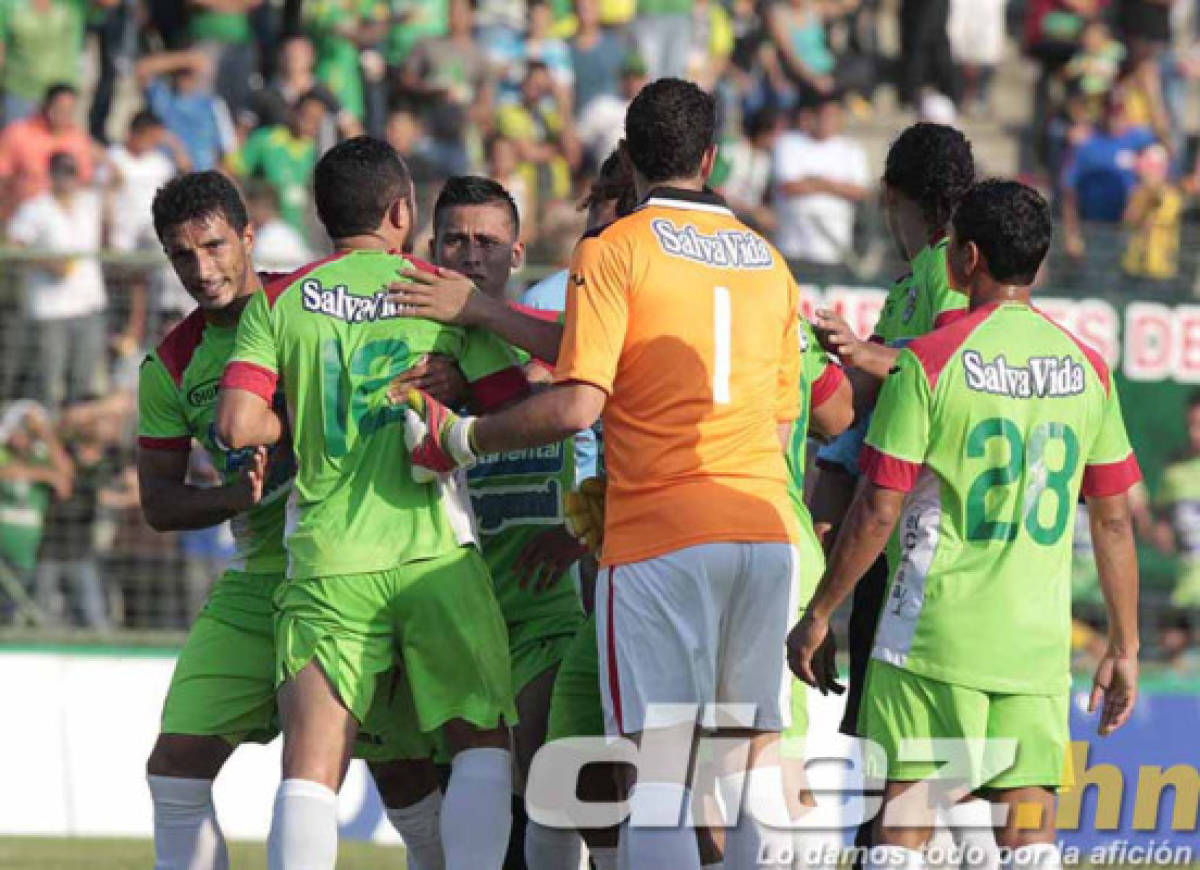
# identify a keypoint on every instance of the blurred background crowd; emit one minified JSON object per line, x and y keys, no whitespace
{"x":101,"y":101}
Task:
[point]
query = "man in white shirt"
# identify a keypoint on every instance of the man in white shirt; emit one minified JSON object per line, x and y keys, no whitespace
{"x":820,"y":178}
{"x":278,"y":247}
{"x":64,"y":297}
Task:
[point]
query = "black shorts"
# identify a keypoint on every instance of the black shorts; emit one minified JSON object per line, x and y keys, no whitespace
{"x":860,"y":636}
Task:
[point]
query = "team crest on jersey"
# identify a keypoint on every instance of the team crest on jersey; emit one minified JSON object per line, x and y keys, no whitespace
{"x":726,"y":249}
{"x":340,"y":303}
{"x":1044,"y":377}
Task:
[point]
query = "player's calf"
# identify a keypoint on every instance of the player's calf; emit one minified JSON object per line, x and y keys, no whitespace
{"x":179,"y":773}
{"x":477,"y":810}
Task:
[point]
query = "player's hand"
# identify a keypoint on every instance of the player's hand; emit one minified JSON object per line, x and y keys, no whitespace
{"x":445,"y":296}
{"x":584,"y":508}
{"x":1116,"y":684}
{"x":436,"y":374}
{"x":251,"y":480}
{"x":803,"y":647}
{"x":545,"y":558}
{"x":837,"y":337}
{"x":438,"y":440}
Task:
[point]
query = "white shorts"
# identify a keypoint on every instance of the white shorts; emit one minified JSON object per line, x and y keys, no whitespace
{"x":699,"y":626}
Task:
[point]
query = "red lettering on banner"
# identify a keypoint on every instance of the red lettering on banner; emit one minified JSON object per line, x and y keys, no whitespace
{"x":1096,"y":323}
{"x":1149,"y":341}
{"x":1187,"y":368}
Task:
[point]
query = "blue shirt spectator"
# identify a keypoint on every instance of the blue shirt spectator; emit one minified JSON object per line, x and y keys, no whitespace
{"x":187,"y":105}
{"x":1103,"y":171}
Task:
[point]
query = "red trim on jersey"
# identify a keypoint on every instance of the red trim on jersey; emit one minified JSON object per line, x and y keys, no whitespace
{"x":1097,"y":361}
{"x":242,"y":375}
{"x":539,"y":313}
{"x":614,"y":676}
{"x":177,"y":349}
{"x":948,"y":317}
{"x":275,"y":289}
{"x":499,"y":388}
{"x":266,"y":278}
{"x":1112,"y":478}
{"x":824,"y":387}
{"x":934,"y":349}
{"x":148,"y":442}
{"x":421,"y":265}
{"x":887,"y":471}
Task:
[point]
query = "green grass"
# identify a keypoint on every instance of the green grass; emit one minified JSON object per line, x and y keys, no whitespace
{"x":54,"y":853}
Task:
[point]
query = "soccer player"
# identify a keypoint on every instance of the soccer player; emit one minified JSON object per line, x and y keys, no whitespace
{"x":223,"y":690}
{"x":984,"y":436}
{"x":682,"y":328}
{"x":380,"y":565}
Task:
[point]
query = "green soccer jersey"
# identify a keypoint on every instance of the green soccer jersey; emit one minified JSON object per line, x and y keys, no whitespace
{"x":992,"y":425}
{"x":177,"y":401}
{"x":819,"y":377}
{"x":284,"y":162}
{"x":920,"y":301}
{"x":331,"y":336}
{"x":23,"y":507}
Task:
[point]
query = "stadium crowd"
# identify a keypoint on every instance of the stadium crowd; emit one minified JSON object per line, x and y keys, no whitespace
{"x":105,"y":101}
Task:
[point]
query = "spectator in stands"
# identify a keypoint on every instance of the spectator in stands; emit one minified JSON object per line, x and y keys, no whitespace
{"x":601,"y":126}
{"x":41,"y":43}
{"x":820,"y":178}
{"x":1139,"y":89}
{"x":68,"y":561}
{"x":449,"y":82}
{"x":540,"y":126}
{"x":1153,"y":216}
{"x":221,"y":29}
{"x":663,"y":29}
{"x":115,"y":25}
{"x":186,"y":104}
{"x":1177,"y":511}
{"x":712,"y":43}
{"x":797,"y":31}
{"x":517,"y":177}
{"x":540,"y":44}
{"x":1177,"y":644}
{"x":1100,"y":175}
{"x":745,"y":166}
{"x":925,"y":55}
{"x":412,"y":22}
{"x":26,"y":146}
{"x":340,"y":30}
{"x":139,"y":167}
{"x":296,"y":77}
{"x":34,"y":468}
{"x":64,"y":295}
{"x":597,"y":54}
{"x":284,"y":157}
{"x":977,"y":33}
{"x":278,"y":247}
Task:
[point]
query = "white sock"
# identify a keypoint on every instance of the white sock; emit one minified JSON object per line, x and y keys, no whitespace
{"x":970,"y":825}
{"x":762,"y":833}
{"x":604,"y":859}
{"x":477,"y":810}
{"x":1038,"y":856}
{"x":552,"y":848}
{"x":659,"y":803}
{"x":720,"y":865}
{"x":419,"y":826}
{"x":304,"y":833}
{"x":186,"y":833}
{"x":894,"y":858}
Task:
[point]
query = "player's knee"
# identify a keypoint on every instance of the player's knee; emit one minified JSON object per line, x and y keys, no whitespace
{"x":405,"y":782}
{"x":188,"y":755}
{"x":462,"y":735}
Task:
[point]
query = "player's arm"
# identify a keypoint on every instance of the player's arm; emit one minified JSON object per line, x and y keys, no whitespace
{"x":1111,"y":472}
{"x":870,"y":357}
{"x":831,"y":397}
{"x":448,"y":297}
{"x":170,"y":504}
{"x":245,"y":415}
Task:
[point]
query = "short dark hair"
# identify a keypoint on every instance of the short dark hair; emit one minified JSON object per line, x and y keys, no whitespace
{"x":760,"y":121}
{"x":669,"y":126}
{"x":56,"y":90}
{"x":474,"y":190}
{"x":356,"y":182}
{"x":312,"y":95}
{"x":258,"y":190}
{"x":932,"y":165}
{"x":614,"y":182}
{"x":1010,"y":224}
{"x":198,"y":195}
{"x":144,"y":120}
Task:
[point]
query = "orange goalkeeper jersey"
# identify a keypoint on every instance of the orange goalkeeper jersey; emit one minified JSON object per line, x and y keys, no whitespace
{"x":688,"y":320}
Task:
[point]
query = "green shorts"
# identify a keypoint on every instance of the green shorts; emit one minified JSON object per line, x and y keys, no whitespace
{"x":898,"y":705}
{"x":438,"y":616}
{"x":575,"y":706}
{"x":224,"y":680}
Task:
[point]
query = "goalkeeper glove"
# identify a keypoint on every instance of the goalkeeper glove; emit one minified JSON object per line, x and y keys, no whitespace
{"x":584,"y":508}
{"x":438,"y":440}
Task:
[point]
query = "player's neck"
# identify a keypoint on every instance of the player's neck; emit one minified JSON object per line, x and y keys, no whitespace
{"x":366,"y":242}
{"x":988,"y":292}
{"x":643,"y":187}
{"x":229,"y":315}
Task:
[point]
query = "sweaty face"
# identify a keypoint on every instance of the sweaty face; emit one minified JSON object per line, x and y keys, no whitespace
{"x":481,"y":242}
{"x":211,"y":259}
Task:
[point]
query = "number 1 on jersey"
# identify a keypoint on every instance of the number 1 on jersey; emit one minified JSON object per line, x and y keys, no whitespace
{"x":722,"y":344}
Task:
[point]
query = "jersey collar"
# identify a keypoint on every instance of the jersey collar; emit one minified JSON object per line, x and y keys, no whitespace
{"x":688,"y":200}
